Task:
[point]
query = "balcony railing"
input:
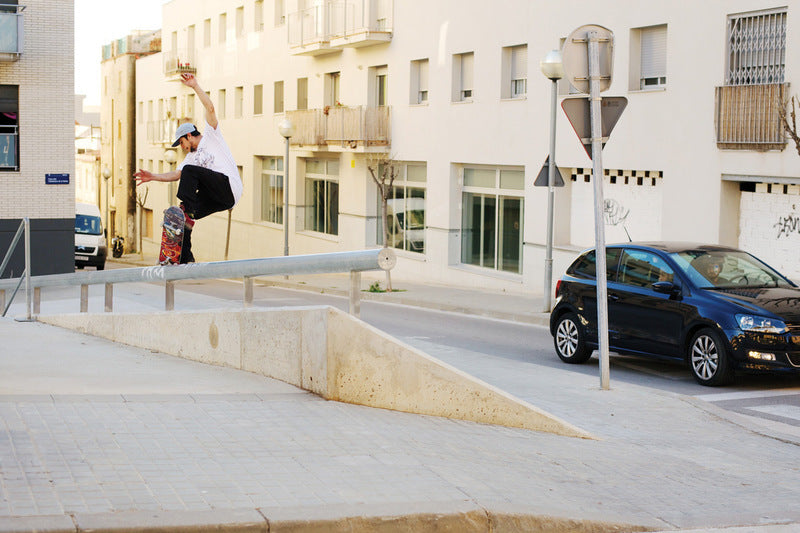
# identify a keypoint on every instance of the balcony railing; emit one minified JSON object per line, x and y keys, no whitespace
{"x":336,"y":24}
{"x":177,"y":62}
{"x":9,"y":142}
{"x":11,"y":31}
{"x":161,"y":131}
{"x":347,"y":127}
{"x":358,"y":23}
{"x":748,"y":116}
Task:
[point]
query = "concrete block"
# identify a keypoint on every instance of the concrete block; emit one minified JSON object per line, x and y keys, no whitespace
{"x":157,"y":521}
{"x":271,"y":344}
{"x":314,"y":352}
{"x":42,"y":524}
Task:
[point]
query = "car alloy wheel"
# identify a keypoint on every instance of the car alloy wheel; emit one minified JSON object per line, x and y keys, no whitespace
{"x":569,"y":340}
{"x":708,"y":358}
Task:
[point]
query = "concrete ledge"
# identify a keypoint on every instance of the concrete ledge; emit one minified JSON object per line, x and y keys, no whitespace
{"x":325,"y":351}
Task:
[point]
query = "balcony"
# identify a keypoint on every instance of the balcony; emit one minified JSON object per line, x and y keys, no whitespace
{"x":162,"y":131}
{"x":177,"y":62}
{"x":747,"y":117}
{"x":12,"y":32}
{"x":9,"y":148}
{"x":342,"y":128}
{"x":309,"y":31}
{"x":338,"y":24}
{"x":358,"y":23}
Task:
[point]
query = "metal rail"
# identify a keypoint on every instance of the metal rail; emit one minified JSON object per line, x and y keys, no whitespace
{"x":353,"y":262}
{"x":24,"y":226}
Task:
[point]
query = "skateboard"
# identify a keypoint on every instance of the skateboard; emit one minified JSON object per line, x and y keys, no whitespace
{"x":171,"y":237}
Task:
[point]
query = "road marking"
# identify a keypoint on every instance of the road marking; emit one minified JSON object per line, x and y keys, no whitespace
{"x":782,"y":410}
{"x":744,"y":395}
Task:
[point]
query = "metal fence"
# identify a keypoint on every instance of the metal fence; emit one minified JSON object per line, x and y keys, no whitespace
{"x":353,"y":262}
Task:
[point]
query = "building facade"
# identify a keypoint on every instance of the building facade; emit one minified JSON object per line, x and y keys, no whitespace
{"x":117,"y":115}
{"x":37,"y":118}
{"x":449,"y":94}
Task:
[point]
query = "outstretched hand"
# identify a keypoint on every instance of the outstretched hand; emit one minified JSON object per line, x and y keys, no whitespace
{"x":143,"y":176}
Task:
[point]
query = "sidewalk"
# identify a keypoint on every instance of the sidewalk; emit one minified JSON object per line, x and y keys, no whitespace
{"x":107,"y":437}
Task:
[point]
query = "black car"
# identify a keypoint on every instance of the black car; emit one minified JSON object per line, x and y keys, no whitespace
{"x":717,"y":308}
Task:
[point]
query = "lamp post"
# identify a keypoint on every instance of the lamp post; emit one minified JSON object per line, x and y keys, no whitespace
{"x":553,"y":70}
{"x":106,"y":177}
{"x":170,"y":156}
{"x":286,"y":129}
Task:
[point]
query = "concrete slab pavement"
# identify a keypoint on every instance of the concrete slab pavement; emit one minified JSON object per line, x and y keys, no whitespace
{"x":104,"y":436}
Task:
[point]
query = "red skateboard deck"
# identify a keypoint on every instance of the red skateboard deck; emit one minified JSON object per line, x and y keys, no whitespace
{"x":171,"y":237}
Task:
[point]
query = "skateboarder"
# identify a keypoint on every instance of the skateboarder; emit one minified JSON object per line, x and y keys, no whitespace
{"x":209,"y":179}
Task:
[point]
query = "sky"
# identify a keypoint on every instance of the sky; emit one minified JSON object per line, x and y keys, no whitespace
{"x":98,"y":22}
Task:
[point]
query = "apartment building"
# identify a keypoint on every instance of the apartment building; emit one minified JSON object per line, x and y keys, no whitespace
{"x":117,"y":115}
{"x":451,"y":93}
{"x":37,"y":160}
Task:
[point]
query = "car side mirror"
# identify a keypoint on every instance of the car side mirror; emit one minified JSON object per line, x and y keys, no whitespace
{"x":666,"y":287}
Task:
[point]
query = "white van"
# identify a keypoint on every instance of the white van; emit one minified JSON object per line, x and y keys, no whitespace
{"x":90,"y":239}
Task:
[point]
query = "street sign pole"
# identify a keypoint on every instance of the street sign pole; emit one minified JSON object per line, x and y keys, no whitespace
{"x":551,"y":171}
{"x":595,"y":104}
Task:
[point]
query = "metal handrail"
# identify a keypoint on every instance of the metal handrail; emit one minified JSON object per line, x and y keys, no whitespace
{"x":25,"y":226}
{"x":354,"y":262}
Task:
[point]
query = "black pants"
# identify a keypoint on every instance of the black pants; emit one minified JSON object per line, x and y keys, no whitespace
{"x":202,"y":192}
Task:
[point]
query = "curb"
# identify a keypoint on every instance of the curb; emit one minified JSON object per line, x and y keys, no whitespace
{"x":460,"y":516}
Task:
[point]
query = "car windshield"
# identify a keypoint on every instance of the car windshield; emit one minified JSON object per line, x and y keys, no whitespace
{"x":725,"y":269}
{"x":88,"y":225}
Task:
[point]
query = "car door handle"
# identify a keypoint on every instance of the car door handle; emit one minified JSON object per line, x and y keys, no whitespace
{"x":613,"y":297}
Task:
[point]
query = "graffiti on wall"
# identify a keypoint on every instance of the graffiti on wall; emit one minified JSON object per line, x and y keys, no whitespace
{"x":787,"y":225}
{"x":616,"y":214}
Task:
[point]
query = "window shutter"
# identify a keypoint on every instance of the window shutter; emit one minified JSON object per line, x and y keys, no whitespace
{"x":519,"y":62}
{"x":423,"y":75}
{"x":467,"y":71}
{"x":654,"y":52}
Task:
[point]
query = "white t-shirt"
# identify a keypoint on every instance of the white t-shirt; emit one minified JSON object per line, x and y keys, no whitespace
{"x":213,"y":153}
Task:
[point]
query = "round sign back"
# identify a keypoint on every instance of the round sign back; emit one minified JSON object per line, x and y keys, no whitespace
{"x":575,"y":56}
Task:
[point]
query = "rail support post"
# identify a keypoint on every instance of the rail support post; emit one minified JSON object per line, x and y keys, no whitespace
{"x":169,"y":296}
{"x":109,"y":305}
{"x":84,"y":298}
{"x":248,"y":291}
{"x":355,"y":293}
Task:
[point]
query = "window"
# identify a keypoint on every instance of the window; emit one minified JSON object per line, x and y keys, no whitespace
{"x":278,"y":97}
{"x":9,"y":127}
{"x":238,"y":102}
{"x":207,"y":33}
{"x":239,"y":21}
{"x":258,"y":99}
{"x":463,"y":77}
{"x":302,"y":93}
{"x":322,"y":196}
{"x":586,"y":266}
{"x":514,"y":71}
{"x":332,"y":89}
{"x":188,"y":107}
{"x":272,"y":189}
{"x":492,"y":209}
{"x":258,"y":15}
{"x":379,"y":77}
{"x":641,"y":269}
{"x":223,"y":28}
{"x":654,"y":57}
{"x":221,"y":103}
{"x":419,"y":81}
{"x":756,"y":48}
{"x":406,"y":209}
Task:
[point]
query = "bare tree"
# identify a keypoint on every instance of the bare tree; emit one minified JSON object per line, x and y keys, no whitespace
{"x":789,"y":120}
{"x":383,"y":169}
{"x":141,"y":199}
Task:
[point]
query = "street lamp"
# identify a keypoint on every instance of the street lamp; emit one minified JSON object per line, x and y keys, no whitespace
{"x":286,"y":129}
{"x":170,"y":156}
{"x":553,"y":69}
{"x":107,"y":176}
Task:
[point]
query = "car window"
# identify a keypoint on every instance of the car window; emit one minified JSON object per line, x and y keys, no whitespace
{"x":641,"y":269}
{"x":727,"y":269}
{"x":88,"y":225}
{"x":585,"y":266}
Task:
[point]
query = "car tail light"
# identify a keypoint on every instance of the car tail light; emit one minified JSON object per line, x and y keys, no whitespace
{"x":558,"y":288}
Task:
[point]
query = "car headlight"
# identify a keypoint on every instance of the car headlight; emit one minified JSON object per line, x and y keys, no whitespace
{"x":760,"y":324}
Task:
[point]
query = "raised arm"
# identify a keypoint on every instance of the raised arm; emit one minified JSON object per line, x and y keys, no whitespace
{"x":211,"y":114}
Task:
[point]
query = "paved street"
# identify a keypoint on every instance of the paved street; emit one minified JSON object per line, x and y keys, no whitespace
{"x":98,"y":434}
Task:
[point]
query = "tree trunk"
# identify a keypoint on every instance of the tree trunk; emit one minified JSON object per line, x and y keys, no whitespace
{"x":385,"y":214}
